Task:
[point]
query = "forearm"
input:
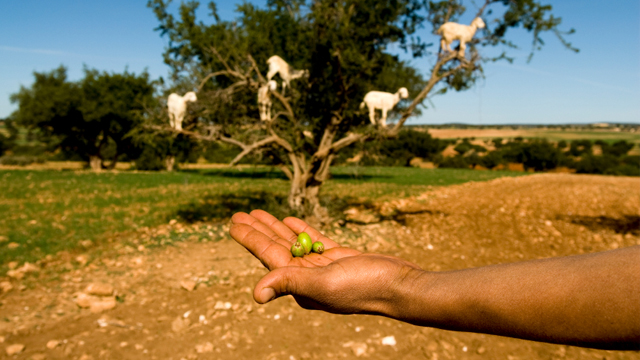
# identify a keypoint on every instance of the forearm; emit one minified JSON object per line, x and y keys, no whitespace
{"x":587,"y":300}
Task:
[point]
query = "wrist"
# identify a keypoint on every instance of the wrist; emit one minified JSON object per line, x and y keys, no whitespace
{"x":413,"y":297}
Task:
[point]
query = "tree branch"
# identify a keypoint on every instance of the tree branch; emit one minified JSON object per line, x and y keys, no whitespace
{"x":249,"y":148}
{"x":487,"y":2}
{"x":435,"y":78}
{"x":206,"y":78}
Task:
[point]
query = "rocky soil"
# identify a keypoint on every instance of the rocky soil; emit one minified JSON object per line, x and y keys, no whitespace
{"x":192,"y":299}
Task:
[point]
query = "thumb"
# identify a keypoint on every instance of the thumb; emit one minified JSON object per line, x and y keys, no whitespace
{"x":285,"y":281}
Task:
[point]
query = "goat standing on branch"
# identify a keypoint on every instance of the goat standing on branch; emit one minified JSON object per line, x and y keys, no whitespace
{"x":384,"y":101}
{"x":264,"y":99}
{"x":177,"y":106}
{"x":451,"y":31}
{"x":279,"y":66}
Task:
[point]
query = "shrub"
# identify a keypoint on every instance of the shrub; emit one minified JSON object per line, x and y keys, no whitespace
{"x":619,"y":148}
{"x":21,"y":160}
{"x":492,"y":160}
{"x":455,"y":162}
{"x":151,"y":159}
{"x":590,"y":164}
{"x":580,"y":147}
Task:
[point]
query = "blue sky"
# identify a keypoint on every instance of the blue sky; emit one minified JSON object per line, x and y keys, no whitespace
{"x":599,"y":84}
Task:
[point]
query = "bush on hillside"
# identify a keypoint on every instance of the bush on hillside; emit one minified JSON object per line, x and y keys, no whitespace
{"x":150,"y":159}
{"x":21,"y":160}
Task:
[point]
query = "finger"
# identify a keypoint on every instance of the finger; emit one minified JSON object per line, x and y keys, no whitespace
{"x":291,"y":280}
{"x":275,"y":225}
{"x":270,"y":253}
{"x":244,"y":218}
{"x":299,"y":226}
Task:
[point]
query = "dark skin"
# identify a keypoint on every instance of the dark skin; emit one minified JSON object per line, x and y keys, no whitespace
{"x":588,"y":300}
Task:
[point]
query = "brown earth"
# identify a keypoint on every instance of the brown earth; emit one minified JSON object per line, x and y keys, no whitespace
{"x":456,"y":227}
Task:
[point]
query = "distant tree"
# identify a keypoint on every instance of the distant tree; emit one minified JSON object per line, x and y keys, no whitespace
{"x":91,"y":117}
{"x":580,"y":147}
{"x":8,"y":136}
{"x":344,"y":46}
{"x":617,"y":149}
{"x":492,"y":159}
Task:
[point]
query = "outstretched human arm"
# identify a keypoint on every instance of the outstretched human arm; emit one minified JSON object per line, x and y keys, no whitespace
{"x":587,"y":300}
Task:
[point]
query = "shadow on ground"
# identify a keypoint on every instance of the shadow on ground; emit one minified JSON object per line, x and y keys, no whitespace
{"x":624,"y":225}
{"x":222,"y":207}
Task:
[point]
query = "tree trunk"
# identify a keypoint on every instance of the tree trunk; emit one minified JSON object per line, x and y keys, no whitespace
{"x":305,"y":190}
{"x":95,"y":163}
{"x":169,"y":161}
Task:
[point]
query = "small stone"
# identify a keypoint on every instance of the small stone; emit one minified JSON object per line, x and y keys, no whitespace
{"x":12,"y":265}
{"x":180,"y":324}
{"x":86,"y":357}
{"x":82,"y":259}
{"x":139,"y":346}
{"x":389,"y":340}
{"x":84,"y":301}
{"x":6,"y":286}
{"x":3,"y":239}
{"x":124,"y":344}
{"x":15,"y":274}
{"x":481,"y":350}
{"x":188,"y":285}
{"x":38,"y":356}
{"x":52,"y":344}
{"x":100,"y":289}
{"x":1,"y":339}
{"x":358,"y":348}
{"x":86,"y":243}
{"x":204,"y":348}
{"x":432,"y":346}
{"x":13,"y":245}
{"x":14,"y":349}
{"x":100,"y":305}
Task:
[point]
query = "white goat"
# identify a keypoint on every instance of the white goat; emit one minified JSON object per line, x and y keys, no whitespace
{"x":279,"y":66}
{"x":451,"y":31}
{"x":264,"y":99}
{"x":384,"y":101}
{"x":177,"y":106}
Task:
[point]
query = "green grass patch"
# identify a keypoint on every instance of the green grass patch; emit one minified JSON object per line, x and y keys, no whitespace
{"x":49,"y":211}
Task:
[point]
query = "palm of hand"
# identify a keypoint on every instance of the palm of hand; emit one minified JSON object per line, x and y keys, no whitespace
{"x":340,"y":280}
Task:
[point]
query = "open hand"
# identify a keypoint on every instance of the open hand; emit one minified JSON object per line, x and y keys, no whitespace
{"x":340,"y":280}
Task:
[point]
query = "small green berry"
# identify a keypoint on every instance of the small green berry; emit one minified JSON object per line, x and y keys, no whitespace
{"x":306,"y":242}
{"x":297,"y":250}
{"x":317,"y":247}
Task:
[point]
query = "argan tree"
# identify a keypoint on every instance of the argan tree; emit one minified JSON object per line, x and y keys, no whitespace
{"x":344,"y":44}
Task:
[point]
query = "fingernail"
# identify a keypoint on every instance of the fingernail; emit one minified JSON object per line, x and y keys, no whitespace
{"x":267,"y":294}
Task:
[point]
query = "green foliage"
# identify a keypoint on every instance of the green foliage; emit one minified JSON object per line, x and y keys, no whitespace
{"x":398,"y":151}
{"x":492,"y":159}
{"x":91,"y":117}
{"x":617,"y":149}
{"x":454,"y":162}
{"x":466,"y":146}
{"x":21,"y":160}
{"x":151,"y":159}
{"x":580,"y":147}
{"x":609,"y":164}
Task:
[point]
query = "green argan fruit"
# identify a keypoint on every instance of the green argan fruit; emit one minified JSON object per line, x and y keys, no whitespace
{"x":306,"y":242}
{"x":297,"y":250}
{"x":317,"y":247}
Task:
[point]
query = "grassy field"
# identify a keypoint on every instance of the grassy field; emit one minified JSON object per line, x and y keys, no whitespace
{"x":48,"y":211}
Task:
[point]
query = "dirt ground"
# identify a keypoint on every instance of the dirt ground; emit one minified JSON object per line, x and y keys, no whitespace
{"x":456,"y":227}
